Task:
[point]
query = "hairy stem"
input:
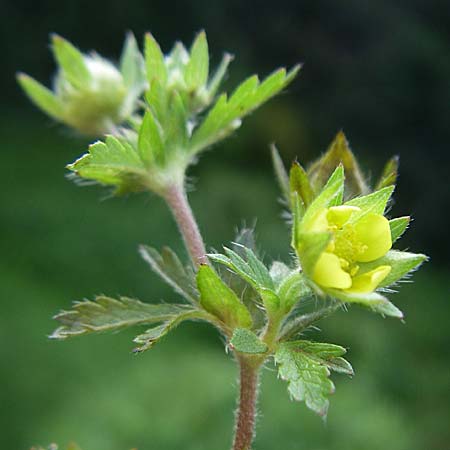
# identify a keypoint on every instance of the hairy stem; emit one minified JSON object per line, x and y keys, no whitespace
{"x":176,"y":198}
{"x":246,"y":413}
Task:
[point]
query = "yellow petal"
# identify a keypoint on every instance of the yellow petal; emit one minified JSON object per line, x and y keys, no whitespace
{"x":328,"y":272}
{"x":369,"y":281}
{"x":374,"y":235}
{"x":338,"y":215}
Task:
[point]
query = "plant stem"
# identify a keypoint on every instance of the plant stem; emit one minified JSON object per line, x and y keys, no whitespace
{"x":176,"y":198}
{"x":246,"y":413}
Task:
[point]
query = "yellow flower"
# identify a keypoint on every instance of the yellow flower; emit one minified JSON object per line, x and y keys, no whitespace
{"x":355,"y":238}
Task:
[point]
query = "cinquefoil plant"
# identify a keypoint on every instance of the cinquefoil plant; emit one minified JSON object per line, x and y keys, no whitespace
{"x":154,"y":115}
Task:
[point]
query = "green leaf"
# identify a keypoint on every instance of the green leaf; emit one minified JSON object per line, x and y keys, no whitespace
{"x":245,"y":341}
{"x":389,"y":175}
{"x":279,"y":272}
{"x":339,"y":153}
{"x":154,"y":60}
{"x":374,"y":203}
{"x":109,"y":314}
{"x":153,"y":335}
{"x":71,"y":61}
{"x":219,"y":74}
{"x":41,"y":96}
{"x":225,"y":116}
{"x":306,"y":367}
{"x":398,"y":227}
{"x":293,"y":289}
{"x":281,"y":174}
{"x":113,"y":162}
{"x":131,"y":63}
{"x":197,"y":69}
{"x":171,"y":270}
{"x":150,"y":144}
{"x":401,"y":264}
{"x":218,"y":299}
{"x":299,"y":182}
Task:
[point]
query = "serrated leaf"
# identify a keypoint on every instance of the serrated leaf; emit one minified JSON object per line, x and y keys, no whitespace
{"x":225,"y":116}
{"x":71,"y":61}
{"x":197,"y":69}
{"x":401,"y":264}
{"x":113,"y":162}
{"x":218,"y":299}
{"x":281,"y":174}
{"x":339,"y":153}
{"x":293,"y":289}
{"x":41,"y":96}
{"x":109,"y":314}
{"x":299,"y":182}
{"x":307,"y":377}
{"x":389,"y":175}
{"x":245,"y":341}
{"x":150,"y":143}
{"x":398,"y":226}
{"x":153,"y":335}
{"x":154,"y":60}
{"x":171,"y":270}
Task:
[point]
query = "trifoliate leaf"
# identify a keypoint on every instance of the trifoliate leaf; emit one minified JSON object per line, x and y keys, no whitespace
{"x":306,"y":367}
{"x":281,"y":174}
{"x":113,"y":162}
{"x":41,"y":96}
{"x":109,"y":314}
{"x":71,"y":61}
{"x":150,"y":144}
{"x":218,"y":299}
{"x":398,"y":227}
{"x":225,"y":115}
{"x":389,"y":175}
{"x":401,"y":264}
{"x":197,"y":69}
{"x":154,"y":60}
{"x":171,"y":270}
{"x":245,"y":341}
{"x":338,"y":153}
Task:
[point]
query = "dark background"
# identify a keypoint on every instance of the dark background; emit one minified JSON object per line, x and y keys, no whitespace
{"x":378,"y":70}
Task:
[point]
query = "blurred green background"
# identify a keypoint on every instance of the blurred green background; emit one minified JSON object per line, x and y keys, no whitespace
{"x":380,"y":71}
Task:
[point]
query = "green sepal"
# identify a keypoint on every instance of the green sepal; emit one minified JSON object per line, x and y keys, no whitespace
{"x":154,"y":60}
{"x":372,"y":300}
{"x":41,"y":96}
{"x":132,"y":63}
{"x":217,"y":78}
{"x":109,"y":314}
{"x":338,"y":153}
{"x":398,"y":226}
{"x":71,"y":61}
{"x":245,"y":341}
{"x":306,"y":367}
{"x":281,"y":174}
{"x":299,"y":182}
{"x":168,"y":266}
{"x":218,"y":299}
{"x":401,"y":264}
{"x":389,"y":175}
{"x":197,"y":69}
{"x":374,"y":203}
{"x":309,"y":247}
